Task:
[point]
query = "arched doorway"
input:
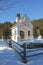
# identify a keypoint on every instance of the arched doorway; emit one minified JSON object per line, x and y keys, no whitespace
{"x":22,"y":34}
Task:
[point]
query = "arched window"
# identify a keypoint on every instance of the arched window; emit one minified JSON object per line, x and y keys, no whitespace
{"x":28,"y":33}
{"x":22,"y":34}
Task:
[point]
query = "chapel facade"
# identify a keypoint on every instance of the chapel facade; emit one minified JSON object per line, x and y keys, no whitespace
{"x":22,"y":29}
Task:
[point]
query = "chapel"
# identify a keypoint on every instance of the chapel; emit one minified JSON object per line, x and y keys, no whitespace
{"x":22,"y":29}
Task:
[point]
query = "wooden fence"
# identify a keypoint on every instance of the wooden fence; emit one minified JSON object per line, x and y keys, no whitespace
{"x":22,"y":49}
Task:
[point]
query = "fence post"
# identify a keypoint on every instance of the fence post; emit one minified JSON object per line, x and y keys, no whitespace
{"x":10,"y":43}
{"x":24,"y":53}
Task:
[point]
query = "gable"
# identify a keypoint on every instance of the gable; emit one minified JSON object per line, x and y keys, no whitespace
{"x":24,"y":24}
{"x":24,"y":21}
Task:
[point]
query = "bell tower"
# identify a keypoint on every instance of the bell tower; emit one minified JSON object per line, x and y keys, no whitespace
{"x":17,"y":17}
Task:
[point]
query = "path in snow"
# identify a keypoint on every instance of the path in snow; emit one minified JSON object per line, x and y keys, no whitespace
{"x":8,"y":56}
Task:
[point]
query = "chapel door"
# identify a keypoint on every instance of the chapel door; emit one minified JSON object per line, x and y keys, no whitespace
{"x":22,"y":34}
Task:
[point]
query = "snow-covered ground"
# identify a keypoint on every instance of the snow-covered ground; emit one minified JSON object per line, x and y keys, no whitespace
{"x":38,"y":41}
{"x":32,"y":41}
{"x":8,"y":56}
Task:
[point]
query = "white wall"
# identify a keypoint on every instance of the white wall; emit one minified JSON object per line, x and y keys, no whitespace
{"x":13,"y":32}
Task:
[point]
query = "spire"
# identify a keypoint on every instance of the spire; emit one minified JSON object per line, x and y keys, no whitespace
{"x":17,"y":17}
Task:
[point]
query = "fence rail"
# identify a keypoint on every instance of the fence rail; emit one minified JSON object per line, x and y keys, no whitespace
{"x":35,"y":54}
{"x":25,"y":48}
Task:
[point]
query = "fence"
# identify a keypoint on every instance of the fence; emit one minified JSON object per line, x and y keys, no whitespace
{"x":23,"y":49}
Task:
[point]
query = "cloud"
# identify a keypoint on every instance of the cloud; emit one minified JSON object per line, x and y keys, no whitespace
{"x":6,"y":4}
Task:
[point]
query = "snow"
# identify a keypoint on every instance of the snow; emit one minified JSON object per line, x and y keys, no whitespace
{"x":32,"y":41}
{"x":37,"y":41}
{"x":8,"y":56}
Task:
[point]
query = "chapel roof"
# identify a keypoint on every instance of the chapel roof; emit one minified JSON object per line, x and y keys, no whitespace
{"x":14,"y":24}
{"x":25,"y":17}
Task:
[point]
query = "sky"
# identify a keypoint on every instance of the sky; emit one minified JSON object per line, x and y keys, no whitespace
{"x":9,"y":9}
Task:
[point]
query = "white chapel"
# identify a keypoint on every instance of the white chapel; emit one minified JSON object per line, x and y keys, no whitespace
{"x":22,"y":29}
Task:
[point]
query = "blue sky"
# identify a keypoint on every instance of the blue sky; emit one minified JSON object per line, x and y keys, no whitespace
{"x":33,"y":8}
